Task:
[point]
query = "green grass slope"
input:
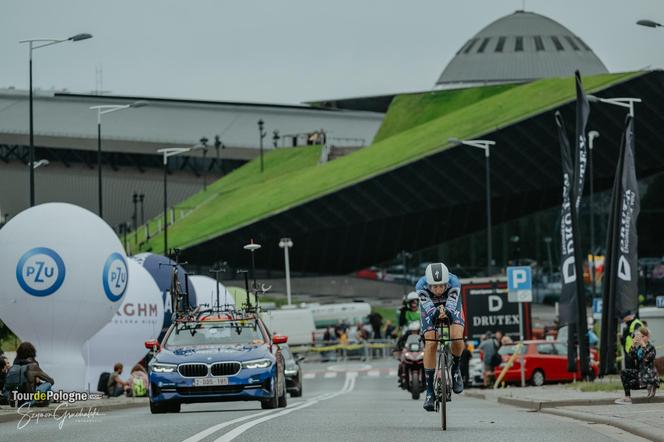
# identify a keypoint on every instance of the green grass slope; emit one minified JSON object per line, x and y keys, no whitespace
{"x":251,"y":199}
{"x":410,"y":110}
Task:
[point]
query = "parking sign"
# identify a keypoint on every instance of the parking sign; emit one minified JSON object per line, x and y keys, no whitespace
{"x":519,"y":284}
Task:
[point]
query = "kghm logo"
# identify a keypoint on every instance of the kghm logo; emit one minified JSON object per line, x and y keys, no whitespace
{"x":115,"y":277}
{"x":40,"y":271}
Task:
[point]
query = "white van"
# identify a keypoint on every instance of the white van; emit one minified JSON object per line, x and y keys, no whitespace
{"x":296,"y":323}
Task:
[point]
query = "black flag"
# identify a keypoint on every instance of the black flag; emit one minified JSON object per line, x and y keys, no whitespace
{"x":582,"y":113}
{"x":620,"y":288}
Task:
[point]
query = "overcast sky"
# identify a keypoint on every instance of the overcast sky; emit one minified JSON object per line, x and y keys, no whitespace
{"x":287,"y":51}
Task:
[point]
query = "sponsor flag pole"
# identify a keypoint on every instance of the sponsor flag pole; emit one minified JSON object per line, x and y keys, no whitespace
{"x":582,"y":113}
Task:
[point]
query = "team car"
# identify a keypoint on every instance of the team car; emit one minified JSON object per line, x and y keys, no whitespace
{"x":213,"y":356}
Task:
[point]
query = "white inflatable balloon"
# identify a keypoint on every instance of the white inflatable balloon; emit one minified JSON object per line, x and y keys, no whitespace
{"x":206,"y":291}
{"x":63,"y":274}
{"x":139,"y":318}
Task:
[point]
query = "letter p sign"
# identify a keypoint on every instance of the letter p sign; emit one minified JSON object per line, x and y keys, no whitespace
{"x":519,"y":278}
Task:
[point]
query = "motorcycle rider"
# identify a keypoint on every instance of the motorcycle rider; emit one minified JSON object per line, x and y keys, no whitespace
{"x":439,"y":293}
{"x":410,"y":311}
{"x":413,"y":330}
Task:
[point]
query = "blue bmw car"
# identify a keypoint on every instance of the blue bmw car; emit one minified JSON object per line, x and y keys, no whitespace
{"x":216,"y":358}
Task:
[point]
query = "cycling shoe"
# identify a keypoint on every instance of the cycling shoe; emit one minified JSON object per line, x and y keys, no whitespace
{"x":429,"y":402}
{"x":457,"y":380}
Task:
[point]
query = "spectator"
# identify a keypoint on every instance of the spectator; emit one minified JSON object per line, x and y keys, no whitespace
{"x":116,"y":386}
{"x":138,"y":380}
{"x":329,"y":336}
{"x":488,"y":348}
{"x":632,"y":324}
{"x":376,"y":321}
{"x":499,"y":337}
{"x":4,"y":368}
{"x":643,"y":373}
{"x":36,"y":380}
{"x":390,"y":330}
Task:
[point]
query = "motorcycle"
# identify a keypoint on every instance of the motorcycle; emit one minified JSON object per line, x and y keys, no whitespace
{"x":411,"y":367}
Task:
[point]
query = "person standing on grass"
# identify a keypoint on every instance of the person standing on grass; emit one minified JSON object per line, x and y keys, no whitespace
{"x":643,"y":375}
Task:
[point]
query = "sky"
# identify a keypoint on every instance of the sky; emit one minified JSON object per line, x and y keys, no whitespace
{"x":287,"y":51}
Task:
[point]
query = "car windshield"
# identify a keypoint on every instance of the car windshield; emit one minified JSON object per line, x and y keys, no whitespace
{"x":509,"y":350}
{"x":215,"y":333}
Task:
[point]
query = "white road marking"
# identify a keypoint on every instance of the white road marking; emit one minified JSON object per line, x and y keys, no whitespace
{"x":392,"y":373}
{"x":373,"y":373}
{"x":309,"y":375}
{"x":330,"y":374}
{"x":205,"y":433}
{"x":349,"y":385}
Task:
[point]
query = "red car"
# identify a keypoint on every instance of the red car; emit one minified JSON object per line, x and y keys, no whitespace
{"x":544,"y":361}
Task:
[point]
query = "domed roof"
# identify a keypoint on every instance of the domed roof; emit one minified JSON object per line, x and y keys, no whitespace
{"x":520,"y":47}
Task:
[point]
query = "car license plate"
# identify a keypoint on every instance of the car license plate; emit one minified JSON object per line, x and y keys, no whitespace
{"x":205,"y":382}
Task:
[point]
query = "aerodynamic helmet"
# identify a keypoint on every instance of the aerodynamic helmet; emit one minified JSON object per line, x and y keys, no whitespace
{"x":437,"y":274}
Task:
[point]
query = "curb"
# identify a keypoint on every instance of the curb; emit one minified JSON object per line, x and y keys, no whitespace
{"x":9,"y":417}
{"x":589,"y":417}
{"x":539,"y":405}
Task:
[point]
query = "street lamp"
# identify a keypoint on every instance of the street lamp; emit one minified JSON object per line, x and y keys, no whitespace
{"x":252,"y":247}
{"x":591,"y":138}
{"x":649,"y":23}
{"x":101,"y":110}
{"x":36,"y":43}
{"x":275,"y":138}
{"x":167,"y":153}
{"x":484,"y":145}
{"x":141,"y":198}
{"x":622,"y":102}
{"x":261,"y":134}
{"x":40,"y":163}
{"x":204,"y":146}
{"x":287,"y":243}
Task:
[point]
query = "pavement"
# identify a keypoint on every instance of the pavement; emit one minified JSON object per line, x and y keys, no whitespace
{"x":644,"y":417}
{"x":350,"y":401}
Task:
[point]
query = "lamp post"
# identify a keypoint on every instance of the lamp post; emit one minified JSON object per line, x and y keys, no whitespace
{"x":275,"y":138}
{"x":591,"y":138}
{"x":287,"y":243}
{"x":167,"y":153}
{"x":204,"y":146}
{"x":101,"y":110}
{"x":252,"y":247}
{"x":141,"y":198}
{"x":649,"y":24}
{"x":485,"y":145}
{"x":36,"y":43}
{"x":261,"y":134}
{"x":626,"y":102}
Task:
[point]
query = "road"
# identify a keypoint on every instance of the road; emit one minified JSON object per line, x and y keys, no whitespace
{"x":347,"y":401}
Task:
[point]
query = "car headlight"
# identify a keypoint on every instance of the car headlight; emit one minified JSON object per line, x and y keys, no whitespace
{"x":257,"y":363}
{"x":290,"y":372}
{"x":159,"y":367}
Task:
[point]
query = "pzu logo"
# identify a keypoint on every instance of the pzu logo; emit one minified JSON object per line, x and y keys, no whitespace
{"x":115,"y":277}
{"x":40,"y":271}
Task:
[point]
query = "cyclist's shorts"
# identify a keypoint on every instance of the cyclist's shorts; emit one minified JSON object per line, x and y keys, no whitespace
{"x":429,"y":315}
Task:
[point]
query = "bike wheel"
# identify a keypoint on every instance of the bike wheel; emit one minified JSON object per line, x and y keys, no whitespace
{"x":443,"y":392}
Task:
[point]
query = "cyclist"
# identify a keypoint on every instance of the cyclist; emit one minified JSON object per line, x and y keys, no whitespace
{"x":439,"y":293}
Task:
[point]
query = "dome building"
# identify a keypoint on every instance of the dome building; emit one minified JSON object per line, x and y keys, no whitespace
{"x":520,"y":47}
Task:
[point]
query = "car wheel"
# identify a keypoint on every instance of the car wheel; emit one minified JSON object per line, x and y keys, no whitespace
{"x":157,"y":408}
{"x":283,"y":397}
{"x":538,"y":378}
{"x":297,"y":392}
{"x":273,"y":402}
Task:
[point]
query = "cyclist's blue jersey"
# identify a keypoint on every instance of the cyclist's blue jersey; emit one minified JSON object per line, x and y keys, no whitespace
{"x":429,"y":303}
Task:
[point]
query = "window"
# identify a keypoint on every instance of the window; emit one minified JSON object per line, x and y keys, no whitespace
{"x":539,"y":44}
{"x":470,"y":45}
{"x":509,"y":349}
{"x":518,"y":44}
{"x":557,"y":44}
{"x":483,"y":45}
{"x":500,"y":44}
{"x":582,"y":43}
{"x":561,"y":349}
{"x":571,"y":42}
{"x":545,"y":349}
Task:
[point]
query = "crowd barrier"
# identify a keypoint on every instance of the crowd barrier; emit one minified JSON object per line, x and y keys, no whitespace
{"x":364,"y":350}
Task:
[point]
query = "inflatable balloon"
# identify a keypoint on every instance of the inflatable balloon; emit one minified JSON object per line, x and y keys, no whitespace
{"x":159,"y":267}
{"x":139,"y":318}
{"x":206,"y":292}
{"x":63,"y":275}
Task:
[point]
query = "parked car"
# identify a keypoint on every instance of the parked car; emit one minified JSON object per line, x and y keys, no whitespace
{"x":292,"y":370}
{"x":544,"y":361}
